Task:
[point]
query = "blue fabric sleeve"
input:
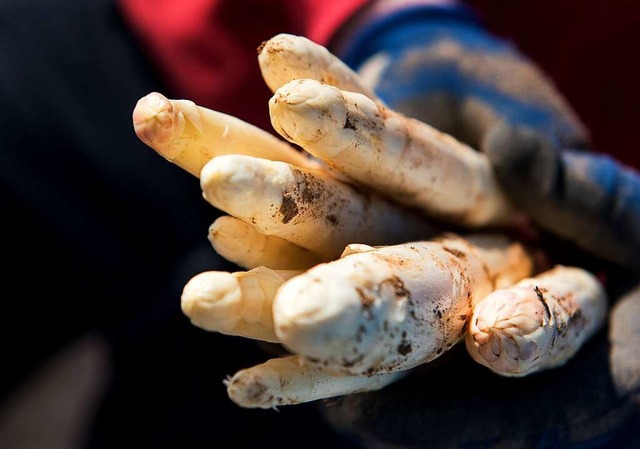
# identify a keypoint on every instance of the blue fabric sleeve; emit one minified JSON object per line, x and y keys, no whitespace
{"x":398,"y":30}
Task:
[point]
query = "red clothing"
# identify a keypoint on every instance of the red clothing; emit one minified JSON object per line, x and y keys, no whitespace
{"x":589,"y":49}
{"x":206,"y":51}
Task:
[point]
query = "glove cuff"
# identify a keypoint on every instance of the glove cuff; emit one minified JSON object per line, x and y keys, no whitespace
{"x":352,"y":43}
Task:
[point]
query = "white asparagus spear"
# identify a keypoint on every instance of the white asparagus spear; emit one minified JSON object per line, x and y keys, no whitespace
{"x":391,"y":308}
{"x":538,"y":324}
{"x":190,"y":135}
{"x":306,"y":207}
{"x":285,"y":57}
{"x":237,"y":303}
{"x":243,"y":245}
{"x":399,"y":156}
{"x":290,"y":380}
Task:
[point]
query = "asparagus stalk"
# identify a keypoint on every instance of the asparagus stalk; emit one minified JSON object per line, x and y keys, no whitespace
{"x":391,"y":308}
{"x":237,"y":303}
{"x":190,"y":135}
{"x":396,"y":155}
{"x":306,"y":207}
{"x":291,"y":380}
{"x":243,"y":245}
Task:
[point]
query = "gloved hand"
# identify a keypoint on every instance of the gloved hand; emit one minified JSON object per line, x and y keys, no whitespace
{"x":293,"y":199}
{"x":441,"y":66}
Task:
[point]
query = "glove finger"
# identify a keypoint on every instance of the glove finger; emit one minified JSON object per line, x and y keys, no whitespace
{"x":586,"y":198}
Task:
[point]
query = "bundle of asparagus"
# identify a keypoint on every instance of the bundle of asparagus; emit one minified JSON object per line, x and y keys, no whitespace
{"x":347,"y":269}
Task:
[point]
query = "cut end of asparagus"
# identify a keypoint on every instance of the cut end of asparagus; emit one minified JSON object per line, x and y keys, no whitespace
{"x":286,"y":56}
{"x":227,"y":236}
{"x":319,"y":326}
{"x":275,"y":54}
{"x":230,"y":182}
{"x":505,"y":330}
{"x":293,"y":380}
{"x":212,"y":300}
{"x":243,"y":245}
{"x":153,"y":118}
{"x":251,"y":388}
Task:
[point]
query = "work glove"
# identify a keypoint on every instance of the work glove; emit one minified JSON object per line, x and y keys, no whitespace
{"x":295,"y":199}
{"x":440,"y":65}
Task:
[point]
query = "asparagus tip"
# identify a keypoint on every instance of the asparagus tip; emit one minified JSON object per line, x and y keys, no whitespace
{"x":152,"y":118}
